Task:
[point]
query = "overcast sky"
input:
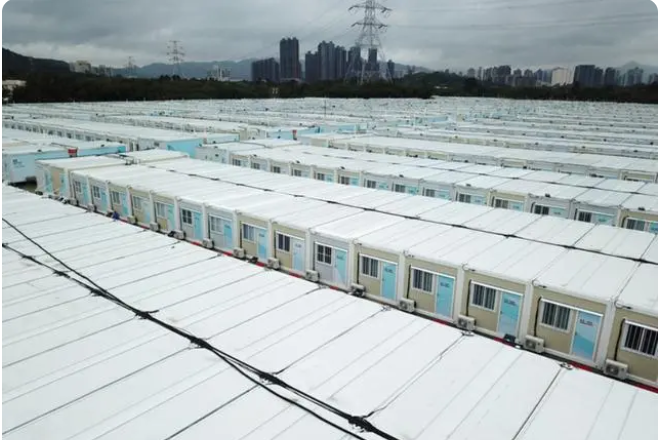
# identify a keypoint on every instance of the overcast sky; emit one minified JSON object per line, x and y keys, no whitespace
{"x":434,"y":34}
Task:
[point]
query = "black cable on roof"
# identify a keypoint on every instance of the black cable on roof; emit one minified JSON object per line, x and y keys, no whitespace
{"x":238,"y":365}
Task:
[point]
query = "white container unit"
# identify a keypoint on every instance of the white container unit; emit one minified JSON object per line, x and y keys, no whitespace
{"x":53,"y":175}
{"x":411,"y":207}
{"x":554,"y":230}
{"x":639,"y":212}
{"x":224,"y":153}
{"x":255,"y":220}
{"x":615,"y":241}
{"x":477,"y":190}
{"x":442,"y":186}
{"x":573,"y":305}
{"x":296,"y":256}
{"x":381,"y":266}
{"x":553,"y":200}
{"x":598,"y":206}
{"x":333,"y":244}
{"x":498,"y":286}
{"x":455,"y":214}
{"x":434,"y":280}
{"x":514,"y":195}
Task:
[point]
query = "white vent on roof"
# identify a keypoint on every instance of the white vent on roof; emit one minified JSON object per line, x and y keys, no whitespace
{"x":615,"y":369}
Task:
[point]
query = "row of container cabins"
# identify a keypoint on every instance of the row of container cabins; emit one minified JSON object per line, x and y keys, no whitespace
{"x":612,"y":167}
{"x":628,"y":204}
{"x":592,"y":309}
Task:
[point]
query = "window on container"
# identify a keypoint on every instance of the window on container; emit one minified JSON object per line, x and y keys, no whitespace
{"x":236,"y":162}
{"x":137,"y":203}
{"x":323,"y":254}
{"x":370,"y":267}
{"x":500,"y":203}
{"x":320,"y":176}
{"x":256,"y":166}
{"x":161,"y":210}
{"x":370,"y":184}
{"x":484,"y":297}
{"x":542,"y":210}
{"x":640,"y":339}
{"x":283,"y":243}
{"x":186,"y":216}
{"x":96,"y":192}
{"x":422,"y":280}
{"x":215,"y":224}
{"x":297,"y":173}
{"x":584,"y":216}
{"x":77,"y":187}
{"x":466,"y":198}
{"x":429,"y":192}
{"x":399,"y":188}
{"x":634,"y":224}
{"x":248,"y":233}
{"x":344,"y":180}
{"x":555,"y":316}
{"x":115,"y":198}
{"x":276,"y":170}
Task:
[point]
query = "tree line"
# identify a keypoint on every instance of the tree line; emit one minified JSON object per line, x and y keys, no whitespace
{"x":66,"y":87}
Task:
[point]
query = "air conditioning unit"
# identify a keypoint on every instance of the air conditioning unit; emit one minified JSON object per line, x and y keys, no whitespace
{"x":531,"y":343}
{"x":312,"y":276}
{"x":615,"y":369}
{"x":239,"y":253}
{"x":273,"y":263}
{"x":154,"y":226}
{"x":179,"y":235}
{"x":207,"y":243}
{"x":466,"y":323}
{"x":132,"y":220}
{"x":91,"y":207}
{"x":406,"y":305}
{"x":357,"y":290}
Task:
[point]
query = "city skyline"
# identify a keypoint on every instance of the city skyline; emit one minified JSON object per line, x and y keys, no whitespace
{"x":541,"y":34}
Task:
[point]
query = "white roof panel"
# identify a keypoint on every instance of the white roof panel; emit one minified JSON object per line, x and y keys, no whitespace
{"x":651,"y":253}
{"x":502,"y":221}
{"x":318,"y":216}
{"x":401,"y":236}
{"x":639,"y":293}
{"x":356,"y":226}
{"x":641,"y":202}
{"x":620,"y":185}
{"x":616,"y":241}
{"x":456,"y":214}
{"x":455,"y":247}
{"x":602,"y":197}
{"x":412,"y":206}
{"x":556,"y":230}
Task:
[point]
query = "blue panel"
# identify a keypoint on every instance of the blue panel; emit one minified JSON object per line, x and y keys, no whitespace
{"x":340,"y":266}
{"x":63,"y":188}
{"x":653,"y":227}
{"x":188,"y":146}
{"x":104,"y":200}
{"x":383,"y":185}
{"x":197,"y":225}
{"x":227,"y":231}
{"x":389,"y":280}
{"x":354,"y":181}
{"x":146,"y":210}
{"x":603,"y":219}
{"x":585,"y":335}
{"x":516,"y":206}
{"x":509,"y":313}
{"x":48,"y":181}
{"x":171,"y":216}
{"x":329,"y":178}
{"x":444,"y":296}
{"x":261,"y":244}
{"x":443,"y":194}
{"x":298,"y":254}
{"x":85,"y":193}
{"x":478,"y":200}
{"x":557,"y":212}
{"x":124,"y":204}
{"x":412,"y":190}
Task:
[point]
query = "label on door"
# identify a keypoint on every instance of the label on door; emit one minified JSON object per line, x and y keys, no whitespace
{"x":585,"y":335}
{"x":412,"y":190}
{"x":389,"y":280}
{"x":443,"y":194}
{"x":444,"y":296}
{"x":383,"y":185}
{"x":85,"y":193}
{"x":104,"y":201}
{"x":509,"y":313}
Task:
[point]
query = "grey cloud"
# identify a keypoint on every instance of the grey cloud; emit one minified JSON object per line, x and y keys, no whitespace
{"x":422,"y":32}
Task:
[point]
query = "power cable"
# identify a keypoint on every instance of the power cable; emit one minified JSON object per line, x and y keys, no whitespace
{"x":235,"y":363}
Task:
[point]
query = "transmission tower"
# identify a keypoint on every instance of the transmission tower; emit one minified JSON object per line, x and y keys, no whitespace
{"x":176,"y":56}
{"x":368,"y":43}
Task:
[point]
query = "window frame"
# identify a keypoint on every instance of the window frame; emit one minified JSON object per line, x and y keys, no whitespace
{"x":636,"y":220}
{"x":344,"y":180}
{"x":158,"y":207}
{"x":255,"y":166}
{"x":77,"y":187}
{"x":646,"y":329}
{"x":296,"y":173}
{"x":276,"y":169}
{"x":283,"y":238}
{"x":463,"y":196}
{"x":115,"y":195}
{"x":590,"y":216}
{"x":325,"y":254}
{"x":368,"y":262}
{"x":136,"y":203}
{"x":245,"y":236}
{"x":372,"y":184}
{"x":318,"y":176}
{"x":542,"y":208}
{"x":96,"y":192}
{"x":236,"y":162}
{"x":429,"y":192}
{"x":486,"y":290}
{"x":551,"y":326}
{"x":184,"y":214}
{"x":215,"y":220}
{"x":423,"y":273}
{"x":398,"y":186}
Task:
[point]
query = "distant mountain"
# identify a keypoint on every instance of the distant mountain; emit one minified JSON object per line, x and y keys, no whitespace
{"x":15,"y":65}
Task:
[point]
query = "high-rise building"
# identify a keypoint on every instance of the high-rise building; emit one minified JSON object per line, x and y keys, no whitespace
{"x":528,"y":73}
{"x":289,"y":59}
{"x":652,"y":78}
{"x":391,"y":69}
{"x":354,"y":60}
{"x":598,"y":77}
{"x":326,"y":58}
{"x":471,"y":72}
{"x":517,"y":72}
{"x":634,"y":76}
{"x":372,"y":64}
{"x":265,"y":70}
{"x":311,"y":67}
{"x":610,"y":75}
{"x":479,"y":74}
{"x":561,"y":76}
{"x":340,"y":62}
{"x":584,"y":74}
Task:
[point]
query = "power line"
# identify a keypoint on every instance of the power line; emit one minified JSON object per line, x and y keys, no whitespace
{"x":236,"y":364}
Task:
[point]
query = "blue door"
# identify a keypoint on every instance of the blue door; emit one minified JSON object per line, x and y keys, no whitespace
{"x":603,"y":219}
{"x":412,"y":190}
{"x":389,"y":280}
{"x":197,"y":225}
{"x":585,"y":335}
{"x":383,"y":185}
{"x":261,"y":244}
{"x":444,"y":296}
{"x":354,"y":181}
{"x":516,"y":206}
{"x":124,"y":204}
{"x":85,"y":193}
{"x":104,"y":201}
{"x":227,"y":232}
{"x":297,"y":246}
{"x":340,"y":266}
{"x":509,"y":313}
{"x":653,"y":227}
{"x":171,"y":217}
{"x":557,"y":212}
{"x":478,"y":200}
